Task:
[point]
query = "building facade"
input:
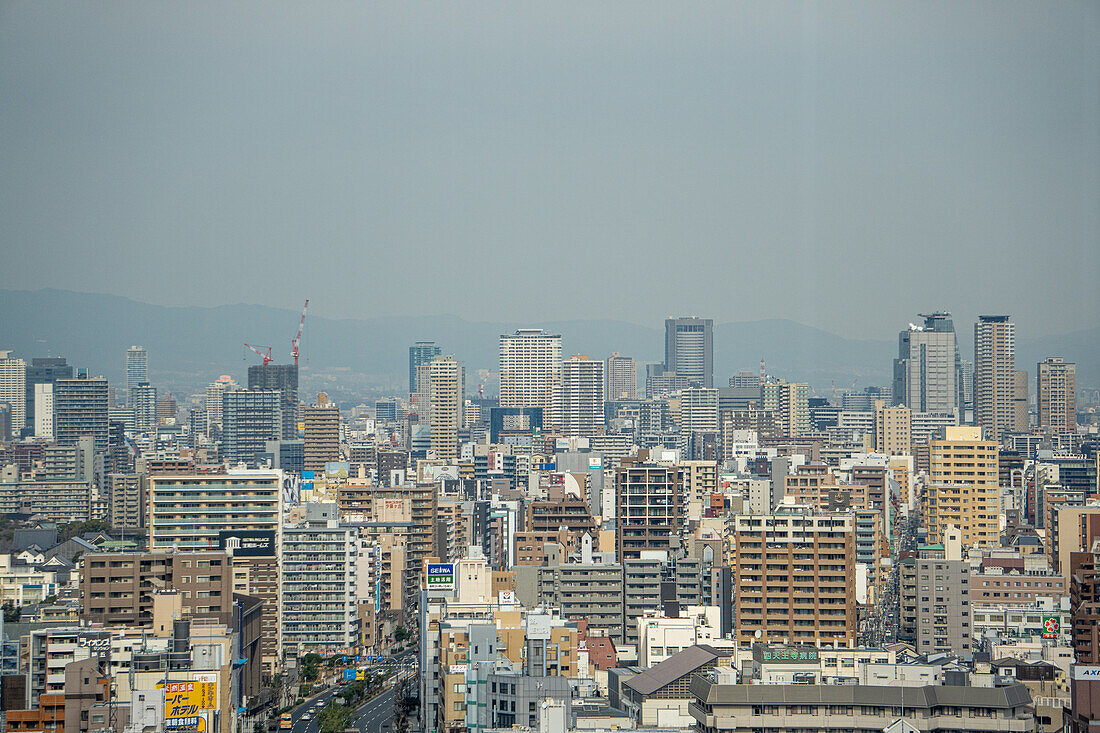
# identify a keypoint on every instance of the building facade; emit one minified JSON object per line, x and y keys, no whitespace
{"x":530,"y":369}
{"x":689,"y":349}
{"x":1056,"y":395}
{"x":578,"y":408}
{"x":995,"y":375}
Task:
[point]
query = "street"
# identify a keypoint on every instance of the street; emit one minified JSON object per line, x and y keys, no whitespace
{"x":372,"y":716}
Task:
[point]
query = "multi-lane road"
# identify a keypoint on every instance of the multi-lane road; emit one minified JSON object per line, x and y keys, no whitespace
{"x":372,"y":716}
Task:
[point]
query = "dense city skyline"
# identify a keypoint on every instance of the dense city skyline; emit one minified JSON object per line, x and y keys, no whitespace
{"x":531,"y":368}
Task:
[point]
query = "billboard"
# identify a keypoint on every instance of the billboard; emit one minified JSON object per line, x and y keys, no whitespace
{"x":291,"y":488}
{"x":248,"y":542}
{"x":337,"y":469}
{"x":785,"y":654}
{"x":441,"y":576}
{"x":98,"y":643}
{"x":185,"y":703}
{"x":1050,"y":627}
{"x":1086,"y":672}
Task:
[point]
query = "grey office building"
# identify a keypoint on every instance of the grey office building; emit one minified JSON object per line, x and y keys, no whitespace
{"x":689,"y":350}
{"x":80,"y":408}
{"x":928,"y":370}
{"x":284,"y":378}
{"x":42,"y":371}
{"x":942,"y":595}
{"x":422,"y":352}
{"x":250,"y":418}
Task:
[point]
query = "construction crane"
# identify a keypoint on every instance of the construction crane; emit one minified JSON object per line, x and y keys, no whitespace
{"x":298,"y":337}
{"x":486,"y":373}
{"x":266,"y":356}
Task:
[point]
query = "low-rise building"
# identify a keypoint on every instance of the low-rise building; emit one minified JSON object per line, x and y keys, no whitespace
{"x":721,"y":706}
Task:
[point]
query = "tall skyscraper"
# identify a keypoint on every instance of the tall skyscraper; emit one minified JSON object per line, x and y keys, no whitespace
{"x":446,"y":396}
{"x":143,"y":401}
{"x":621,"y":374}
{"x":284,"y":378}
{"x":689,"y":349}
{"x":1056,"y":395}
{"x":80,"y":408}
{"x":994,"y":375}
{"x":530,"y":369}
{"x":137,"y":370}
{"x":250,"y":418}
{"x":928,"y":368}
{"x":422,"y":352}
{"x":43,"y":371}
{"x":322,"y":434}
{"x":13,"y":389}
{"x":579,"y":408}
{"x":1021,"y":413}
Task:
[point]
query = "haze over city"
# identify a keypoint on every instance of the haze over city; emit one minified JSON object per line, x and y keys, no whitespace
{"x":747,"y":161}
{"x":531,"y":368}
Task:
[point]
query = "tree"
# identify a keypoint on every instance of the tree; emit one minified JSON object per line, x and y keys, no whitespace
{"x":310,"y":663}
{"x":11,"y":613}
{"x":401,"y":634}
{"x":75,"y":529}
{"x":334,"y":718}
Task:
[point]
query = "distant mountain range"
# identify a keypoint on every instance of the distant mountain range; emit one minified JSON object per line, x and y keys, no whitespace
{"x":189,"y":347}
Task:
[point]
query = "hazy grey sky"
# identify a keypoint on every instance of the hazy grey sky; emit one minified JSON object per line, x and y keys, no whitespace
{"x":841,"y":164}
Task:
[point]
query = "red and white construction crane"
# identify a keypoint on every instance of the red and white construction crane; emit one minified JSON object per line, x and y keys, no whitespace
{"x":266,"y":356}
{"x":298,"y":337}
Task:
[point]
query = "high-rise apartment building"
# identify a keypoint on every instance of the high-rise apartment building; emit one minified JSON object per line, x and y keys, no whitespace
{"x":927,"y":370}
{"x":43,"y":410}
{"x":250,"y":418}
{"x":187,"y":511}
{"x":962,"y":487}
{"x":621,"y":374}
{"x":137,"y":369}
{"x":422,"y":352}
{"x":214,"y":392}
{"x":126,"y":499}
{"x":284,"y":378}
{"x":649,"y":508}
{"x":317,"y":577}
{"x":322,"y":434}
{"x":13,"y":389}
{"x":994,"y":375}
{"x":43,"y":371}
{"x":893,"y":429}
{"x":80,"y":408}
{"x":446,"y":396}
{"x":578,"y":408}
{"x":530,"y":369}
{"x":790,"y":404}
{"x":143,"y":401}
{"x":689,"y":349}
{"x":795,"y":575}
{"x":1056,"y":395}
{"x":698,"y":412}
{"x":1021,"y":414}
